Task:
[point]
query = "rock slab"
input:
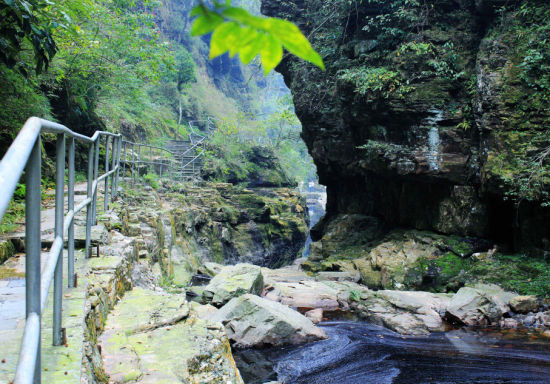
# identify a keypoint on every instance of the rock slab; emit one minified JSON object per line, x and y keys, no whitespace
{"x":233,"y":281}
{"x":481,"y":305}
{"x":252,"y":321}
{"x":152,"y":337}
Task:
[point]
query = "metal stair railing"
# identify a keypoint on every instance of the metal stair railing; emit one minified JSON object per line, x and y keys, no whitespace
{"x":24,"y":154}
{"x":165,"y":158}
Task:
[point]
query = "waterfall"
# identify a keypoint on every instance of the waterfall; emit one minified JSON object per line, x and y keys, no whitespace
{"x":433,"y":138}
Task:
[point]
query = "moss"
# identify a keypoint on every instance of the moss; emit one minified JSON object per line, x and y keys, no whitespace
{"x":6,"y":273}
{"x":458,"y":246}
{"x":517,"y":272}
{"x":7,"y":250}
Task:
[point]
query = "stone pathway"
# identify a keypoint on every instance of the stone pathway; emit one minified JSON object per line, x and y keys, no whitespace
{"x":59,"y":364}
{"x":47,"y":218}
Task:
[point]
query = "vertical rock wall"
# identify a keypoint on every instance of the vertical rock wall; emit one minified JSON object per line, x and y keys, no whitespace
{"x":429,"y":114}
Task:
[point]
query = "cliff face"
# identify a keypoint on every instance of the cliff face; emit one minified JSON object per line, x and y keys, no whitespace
{"x":430,"y":116}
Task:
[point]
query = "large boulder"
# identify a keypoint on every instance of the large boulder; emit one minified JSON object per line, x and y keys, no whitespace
{"x":305,"y":295}
{"x":233,"y":281}
{"x":411,"y":313}
{"x":524,"y":304}
{"x":252,"y":321}
{"x":481,"y":305}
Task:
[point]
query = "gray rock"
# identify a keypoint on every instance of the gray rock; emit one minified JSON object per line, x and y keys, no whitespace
{"x":529,"y":320}
{"x":315,"y":315}
{"x":211,"y":269}
{"x":524,"y":304}
{"x":411,"y":313}
{"x":479,"y":306}
{"x":233,"y":281}
{"x":252,"y":321}
{"x":339,"y":276}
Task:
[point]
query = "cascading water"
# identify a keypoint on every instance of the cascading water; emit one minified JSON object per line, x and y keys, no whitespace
{"x":432,"y":122}
{"x":316,"y":197}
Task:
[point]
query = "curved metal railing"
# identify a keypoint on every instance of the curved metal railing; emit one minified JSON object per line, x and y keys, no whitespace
{"x":25,"y":155}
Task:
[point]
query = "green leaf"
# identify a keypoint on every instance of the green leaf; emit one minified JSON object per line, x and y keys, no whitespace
{"x":251,"y":46}
{"x":224,"y":38}
{"x":294,"y":41}
{"x":237,"y":31}
{"x":205,"y":24}
{"x":271,"y":54}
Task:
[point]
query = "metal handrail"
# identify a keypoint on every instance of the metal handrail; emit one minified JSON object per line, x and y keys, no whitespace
{"x":194,"y":146}
{"x":172,"y":161}
{"x":169,"y":159}
{"x":25,"y":155}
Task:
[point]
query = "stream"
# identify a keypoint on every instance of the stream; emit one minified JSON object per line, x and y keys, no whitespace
{"x":362,"y":353}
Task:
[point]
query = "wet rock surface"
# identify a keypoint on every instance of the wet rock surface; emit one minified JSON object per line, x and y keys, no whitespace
{"x":230,"y":224}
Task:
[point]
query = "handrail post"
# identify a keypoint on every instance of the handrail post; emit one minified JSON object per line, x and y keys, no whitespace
{"x":59,"y":208}
{"x":124,"y":160}
{"x":89,"y":208}
{"x":70,"y":232}
{"x":106,"y":190}
{"x":96,"y":176}
{"x":151,"y":159}
{"x":113,"y":165}
{"x":33,"y":244}
{"x":139,"y":160}
{"x":119,"y":153}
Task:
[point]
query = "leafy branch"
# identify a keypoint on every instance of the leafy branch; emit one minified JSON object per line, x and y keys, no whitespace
{"x":236,"y":31}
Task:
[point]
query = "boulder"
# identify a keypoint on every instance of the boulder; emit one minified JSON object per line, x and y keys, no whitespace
{"x":306,"y":294}
{"x":524,"y":304}
{"x":233,"y":281}
{"x":315,"y":315}
{"x":211,"y":269}
{"x":480,"y":305}
{"x":411,"y":313}
{"x":252,"y":321}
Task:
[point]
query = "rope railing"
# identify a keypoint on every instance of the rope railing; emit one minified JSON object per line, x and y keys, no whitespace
{"x":24,"y":155}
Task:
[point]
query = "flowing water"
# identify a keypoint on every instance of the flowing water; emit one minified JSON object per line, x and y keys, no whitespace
{"x":361,"y":353}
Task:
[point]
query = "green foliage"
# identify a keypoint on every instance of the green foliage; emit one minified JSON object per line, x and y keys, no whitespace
{"x":374,"y":149}
{"x":152,"y":179}
{"x":236,"y":31}
{"x":14,"y":216}
{"x":20,"y":192}
{"x":28,"y":22}
{"x":535,"y":65}
{"x":354,"y":295}
{"x":522,"y":169}
{"x":184,"y":67}
{"x":519,"y":273}
{"x":375,"y":83}
{"x":243,"y":141}
{"x":21,"y":98}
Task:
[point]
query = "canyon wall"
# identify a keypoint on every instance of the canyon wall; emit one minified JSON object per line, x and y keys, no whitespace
{"x":428,"y":116}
